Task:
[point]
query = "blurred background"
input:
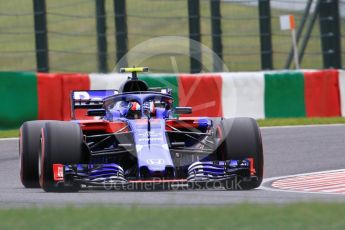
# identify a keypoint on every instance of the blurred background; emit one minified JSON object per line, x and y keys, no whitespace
{"x":91,"y":35}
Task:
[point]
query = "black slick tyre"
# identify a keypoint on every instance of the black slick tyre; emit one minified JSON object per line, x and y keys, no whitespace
{"x":61,"y":143}
{"x":29,"y":145}
{"x":240,"y":139}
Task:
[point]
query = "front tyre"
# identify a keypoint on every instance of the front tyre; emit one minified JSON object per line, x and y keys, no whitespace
{"x":61,"y":143}
{"x":241,"y":139}
{"x":29,"y":145}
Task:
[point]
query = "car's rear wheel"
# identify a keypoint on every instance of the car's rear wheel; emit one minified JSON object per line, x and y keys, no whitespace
{"x":241,"y":139}
{"x":61,"y":143}
{"x":29,"y":144}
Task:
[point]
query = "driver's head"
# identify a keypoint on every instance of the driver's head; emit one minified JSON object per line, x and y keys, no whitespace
{"x":134,"y":106}
{"x":134,"y":110}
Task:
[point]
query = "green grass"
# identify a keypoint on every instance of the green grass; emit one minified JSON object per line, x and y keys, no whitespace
{"x":75,"y":51}
{"x":243,"y":216}
{"x":262,"y":123}
{"x":9,"y":133}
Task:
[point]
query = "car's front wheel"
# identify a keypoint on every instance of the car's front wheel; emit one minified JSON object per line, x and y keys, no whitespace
{"x":61,"y":143}
{"x":241,"y":139}
{"x":29,"y":144}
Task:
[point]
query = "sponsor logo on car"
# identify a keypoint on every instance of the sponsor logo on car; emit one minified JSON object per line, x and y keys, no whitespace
{"x":155,"y":161}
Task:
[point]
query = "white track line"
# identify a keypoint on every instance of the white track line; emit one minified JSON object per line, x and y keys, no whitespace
{"x":9,"y":139}
{"x":302,"y":126}
{"x":266,"y":184}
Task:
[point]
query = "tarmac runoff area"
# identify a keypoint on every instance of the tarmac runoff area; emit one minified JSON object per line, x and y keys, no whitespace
{"x":302,"y":163}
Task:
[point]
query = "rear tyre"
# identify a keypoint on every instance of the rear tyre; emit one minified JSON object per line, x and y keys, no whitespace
{"x":61,"y":143}
{"x":29,"y":144}
{"x":241,"y":138}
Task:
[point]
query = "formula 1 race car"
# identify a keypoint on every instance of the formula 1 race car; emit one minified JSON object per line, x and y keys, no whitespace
{"x":135,"y":140}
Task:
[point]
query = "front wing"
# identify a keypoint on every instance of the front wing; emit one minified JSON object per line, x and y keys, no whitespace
{"x":201,"y":175}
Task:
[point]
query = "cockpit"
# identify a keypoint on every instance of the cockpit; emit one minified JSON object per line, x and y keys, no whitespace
{"x":130,"y":106}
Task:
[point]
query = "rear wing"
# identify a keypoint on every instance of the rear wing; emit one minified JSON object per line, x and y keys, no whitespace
{"x":90,"y":99}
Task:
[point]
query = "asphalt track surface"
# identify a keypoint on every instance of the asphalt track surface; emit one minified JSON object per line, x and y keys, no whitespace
{"x":288,"y":151}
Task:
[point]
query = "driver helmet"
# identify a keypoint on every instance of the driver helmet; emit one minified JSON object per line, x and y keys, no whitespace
{"x":133,"y":106}
{"x":134,"y":110}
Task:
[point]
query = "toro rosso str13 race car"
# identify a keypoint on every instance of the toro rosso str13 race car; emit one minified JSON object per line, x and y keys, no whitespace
{"x":135,"y":139}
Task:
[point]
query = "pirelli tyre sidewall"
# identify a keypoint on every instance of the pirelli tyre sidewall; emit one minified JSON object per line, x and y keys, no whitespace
{"x":61,"y":143}
{"x":29,"y":144}
{"x":241,"y":138}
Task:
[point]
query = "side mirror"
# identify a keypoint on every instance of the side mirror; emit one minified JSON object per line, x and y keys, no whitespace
{"x":183,"y":110}
{"x":96,"y":112}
